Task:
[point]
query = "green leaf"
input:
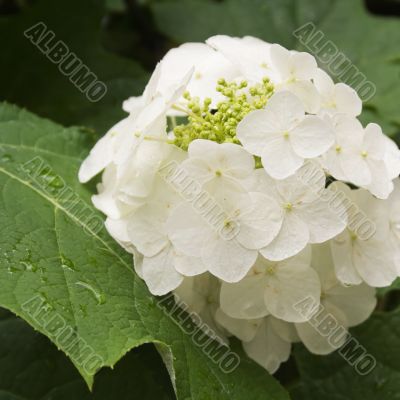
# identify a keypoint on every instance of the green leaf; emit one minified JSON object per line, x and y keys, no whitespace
{"x":332,"y":378}
{"x":62,"y":274}
{"x":369,"y":41}
{"x":31,"y":368}
{"x":28,"y":77}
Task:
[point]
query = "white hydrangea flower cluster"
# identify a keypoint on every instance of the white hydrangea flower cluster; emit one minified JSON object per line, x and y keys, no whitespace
{"x":243,"y":181}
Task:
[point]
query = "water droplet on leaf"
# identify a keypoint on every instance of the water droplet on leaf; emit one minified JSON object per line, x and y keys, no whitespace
{"x":98,"y":295}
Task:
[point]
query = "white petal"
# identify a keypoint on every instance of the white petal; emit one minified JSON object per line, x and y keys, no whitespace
{"x":159,"y":272}
{"x":117,"y":228}
{"x":280,"y":59}
{"x":291,"y":283}
{"x":347,"y":100}
{"x":249,"y":54}
{"x":208,"y":65}
{"x":355,"y":168}
{"x":392,"y":158}
{"x":207,"y":157}
{"x":243,"y":329}
{"x":189,"y":266}
{"x":260,"y":222}
{"x":267,"y":348}
{"x":244,"y":299}
{"x":304,"y":186}
{"x":375,"y":263}
{"x":311,"y":137}
{"x":356,"y":302}
{"x":102,"y":153}
{"x":286,"y":108}
{"x":227,"y":259}
{"x":324,"y":84}
{"x":187,"y":230}
{"x":285,"y":330}
{"x":146,"y":230}
{"x":198,"y":170}
{"x":107,"y":198}
{"x":307,"y":93}
{"x":291,"y":239}
{"x":342,"y":254}
{"x":138,"y":263}
{"x":324,"y":221}
{"x":320,"y":341}
{"x":279,"y":159}
{"x":381,"y":186}
{"x":133,"y":104}
{"x":256,"y":130}
{"x":374,"y":141}
{"x":304,"y":65}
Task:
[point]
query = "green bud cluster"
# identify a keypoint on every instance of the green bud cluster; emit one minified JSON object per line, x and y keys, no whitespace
{"x":219,"y":124}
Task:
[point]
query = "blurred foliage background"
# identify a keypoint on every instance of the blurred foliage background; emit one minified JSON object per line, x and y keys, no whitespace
{"x":121,"y":42}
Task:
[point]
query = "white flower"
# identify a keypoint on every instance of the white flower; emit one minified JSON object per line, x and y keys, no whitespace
{"x":292,"y":66}
{"x":392,"y":158}
{"x":374,"y":156}
{"x":147,"y":118}
{"x":200,"y":295}
{"x":250,"y":55}
{"x":272,"y":288}
{"x":288,"y":70}
{"x":293,"y":71}
{"x":341,"y":307}
{"x":344,"y":160}
{"x":208,"y":66}
{"x":126,"y":187}
{"x":225,"y":232}
{"x":134,"y":105}
{"x":222,"y":167}
{"x":336,"y":98}
{"x":363,"y":252}
{"x":283,"y":136}
{"x":365,"y":158}
{"x":223,"y":207}
{"x":266,"y":340}
{"x":393,"y":209}
{"x":307,"y":215}
{"x":146,"y":231}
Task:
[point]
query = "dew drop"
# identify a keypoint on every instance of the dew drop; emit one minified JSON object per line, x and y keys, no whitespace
{"x":98,"y":295}
{"x":67,"y":263}
{"x":29,"y":266}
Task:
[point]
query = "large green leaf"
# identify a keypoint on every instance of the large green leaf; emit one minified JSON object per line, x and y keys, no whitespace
{"x":28,"y":78}
{"x":58,"y":272}
{"x":369,"y":41}
{"x":332,"y":378}
{"x":31,"y":368}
